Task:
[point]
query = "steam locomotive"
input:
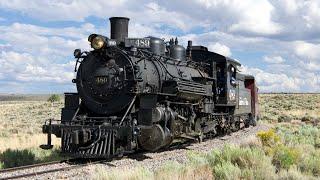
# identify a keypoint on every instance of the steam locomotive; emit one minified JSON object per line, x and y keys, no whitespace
{"x":145,"y":93}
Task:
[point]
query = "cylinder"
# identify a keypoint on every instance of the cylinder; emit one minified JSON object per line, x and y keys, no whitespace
{"x":119,"y":28}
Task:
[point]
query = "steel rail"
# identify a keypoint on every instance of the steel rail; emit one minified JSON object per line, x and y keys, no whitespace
{"x":25,"y":175}
{"x":29,"y":166}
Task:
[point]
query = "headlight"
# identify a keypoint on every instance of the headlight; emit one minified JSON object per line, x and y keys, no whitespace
{"x":97,"y":42}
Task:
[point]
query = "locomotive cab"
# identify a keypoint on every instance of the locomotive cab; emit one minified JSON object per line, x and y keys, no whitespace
{"x":227,"y":82}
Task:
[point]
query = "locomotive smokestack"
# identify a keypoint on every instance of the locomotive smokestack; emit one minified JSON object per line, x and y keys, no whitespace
{"x":119,"y":28}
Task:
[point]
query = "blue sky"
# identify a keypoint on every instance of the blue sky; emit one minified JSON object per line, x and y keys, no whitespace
{"x":278,"y":41}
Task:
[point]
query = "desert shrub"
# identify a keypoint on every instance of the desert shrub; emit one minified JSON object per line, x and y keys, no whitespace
{"x":54,"y":98}
{"x":311,"y":163}
{"x":251,"y":142}
{"x":195,"y":158}
{"x":284,"y":157}
{"x":284,"y":118}
{"x":305,"y":134}
{"x":273,"y":106}
{"x":268,"y":138}
{"x":132,"y":174}
{"x":14,"y":158}
{"x":174,"y":170}
{"x":171,"y":168}
{"x":306,"y":118}
{"x":296,"y":148}
{"x":4,"y":134}
{"x":252,"y":163}
{"x":227,"y":170}
{"x":47,"y":155}
{"x":293,"y":173}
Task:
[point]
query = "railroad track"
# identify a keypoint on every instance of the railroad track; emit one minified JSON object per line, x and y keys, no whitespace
{"x":75,"y":164}
{"x":35,"y":173}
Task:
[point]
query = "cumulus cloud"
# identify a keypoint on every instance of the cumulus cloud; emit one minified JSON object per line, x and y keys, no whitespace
{"x":35,"y":56}
{"x":285,"y":35}
{"x":307,"y":50}
{"x":24,"y":67}
{"x":273,"y":59}
{"x":281,"y":82}
{"x":220,"y":49}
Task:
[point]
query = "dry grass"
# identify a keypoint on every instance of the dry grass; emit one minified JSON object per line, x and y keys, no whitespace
{"x":21,"y":132}
{"x":303,"y":112}
{"x":290,"y":107}
{"x":23,"y":118}
{"x":170,"y":171}
{"x":21,"y":123}
{"x":25,"y":142}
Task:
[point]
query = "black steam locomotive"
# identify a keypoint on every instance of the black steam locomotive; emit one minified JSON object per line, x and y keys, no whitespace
{"x":144,"y":93}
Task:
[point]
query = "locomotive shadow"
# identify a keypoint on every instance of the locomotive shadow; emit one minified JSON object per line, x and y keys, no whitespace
{"x":143,"y":155}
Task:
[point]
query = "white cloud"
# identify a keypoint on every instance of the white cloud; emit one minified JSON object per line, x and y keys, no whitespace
{"x":63,"y":10}
{"x":256,"y":18}
{"x":307,"y":50}
{"x":284,"y":33}
{"x":281,"y":82}
{"x":273,"y":59}
{"x":45,"y":41}
{"x":220,"y":49}
{"x":27,"y":68}
{"x":310,"y":66}
{"x":34,"y":54}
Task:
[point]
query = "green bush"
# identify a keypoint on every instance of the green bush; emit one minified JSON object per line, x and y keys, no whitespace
{"x":306,"y":118}
{"x":13,"y":158}
{"x":284,"y":118}
{"x":54,"y":98}
{"x":293,"y":173}
{"x":305,"y":134}
{"x":252,"y":163}
{"x":285,"y":157}
{"x":227,"y":170}
{"x":1,"y":165}
{"x":311,"y":163}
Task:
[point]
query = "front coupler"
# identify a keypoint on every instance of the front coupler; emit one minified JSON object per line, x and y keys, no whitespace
{"x":49,"y":129}
{"x":91,"y":141}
